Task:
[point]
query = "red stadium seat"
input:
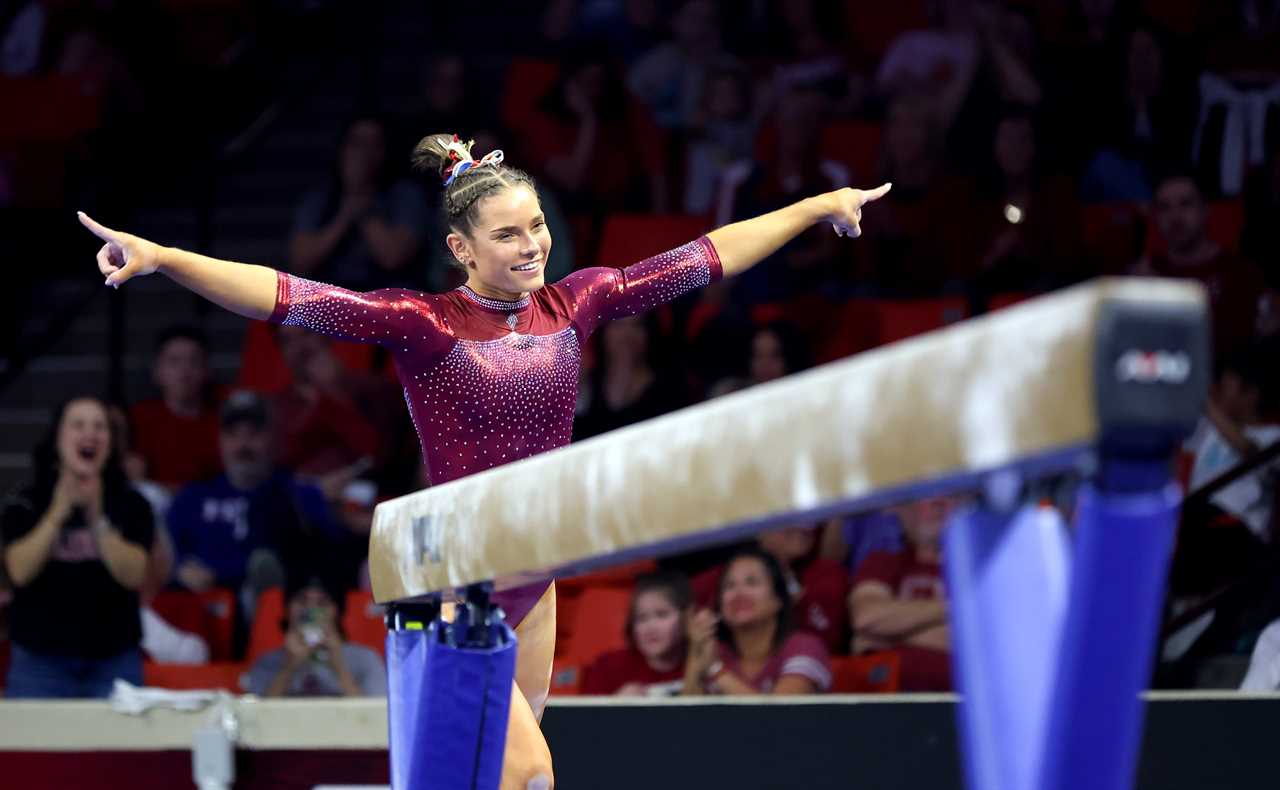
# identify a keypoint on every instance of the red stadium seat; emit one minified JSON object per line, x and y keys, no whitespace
{"x":262,"y":366}
{"x":220,"y":613}
{"x":899,"y":320}
{"x":528,"y":81}
{"x":217,"y":675}
{"x":55,"y":108}
{"x":873,"y":673}
{"x":1001,"y":301}
{"x":362,"y":621}
{"x":598,"y":620}
{"x":870,"y":34}
{"x":265,"y":634}
{"x":628,"y":238}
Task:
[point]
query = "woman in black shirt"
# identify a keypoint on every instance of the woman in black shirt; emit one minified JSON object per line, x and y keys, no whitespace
{"x":75,"y":551}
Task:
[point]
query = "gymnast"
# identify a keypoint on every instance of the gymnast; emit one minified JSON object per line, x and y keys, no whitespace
{"x":489,"y":369}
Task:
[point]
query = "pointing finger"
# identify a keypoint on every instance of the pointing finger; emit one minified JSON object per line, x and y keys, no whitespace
{"x":101,"y":231}
{"x":872,"y":195}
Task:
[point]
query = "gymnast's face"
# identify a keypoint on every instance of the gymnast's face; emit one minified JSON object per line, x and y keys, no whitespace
{"x":746,"y":594}
{"x":506,"y":251}
{"x":656,"y":627}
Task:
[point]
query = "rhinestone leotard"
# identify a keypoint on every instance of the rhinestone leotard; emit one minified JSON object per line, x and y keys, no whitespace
{"x":489,"y":382}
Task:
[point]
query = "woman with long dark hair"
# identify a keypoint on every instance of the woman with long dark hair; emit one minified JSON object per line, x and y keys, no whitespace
{"x":76,"y":548}
{"x":747,"y":646}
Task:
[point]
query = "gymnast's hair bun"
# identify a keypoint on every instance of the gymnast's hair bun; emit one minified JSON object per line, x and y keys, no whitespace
{"x":432,"y":154}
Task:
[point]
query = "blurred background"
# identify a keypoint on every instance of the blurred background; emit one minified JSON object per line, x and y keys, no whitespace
{"x":1031,"y":144}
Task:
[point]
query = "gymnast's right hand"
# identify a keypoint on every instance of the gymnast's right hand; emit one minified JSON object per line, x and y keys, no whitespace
{"x":123,"y":256}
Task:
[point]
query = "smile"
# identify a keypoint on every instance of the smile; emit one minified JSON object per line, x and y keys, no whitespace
{"x":526,"y":267}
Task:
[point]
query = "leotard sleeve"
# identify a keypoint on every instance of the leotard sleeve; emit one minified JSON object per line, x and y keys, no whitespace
{"x":601,"y":294}
{"x":389,"y":316}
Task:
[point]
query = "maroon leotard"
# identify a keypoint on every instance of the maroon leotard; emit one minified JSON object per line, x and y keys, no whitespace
{"x":489,"y":382}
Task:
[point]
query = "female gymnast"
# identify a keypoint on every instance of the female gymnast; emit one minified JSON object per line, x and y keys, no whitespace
{"x":490,"y":369}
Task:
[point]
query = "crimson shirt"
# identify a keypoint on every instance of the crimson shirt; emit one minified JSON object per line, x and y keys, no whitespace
{"x":909,"y":579}
{"x":615,"y":669}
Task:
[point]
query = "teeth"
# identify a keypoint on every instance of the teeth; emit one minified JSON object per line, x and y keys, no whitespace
{"x":526,"y":267}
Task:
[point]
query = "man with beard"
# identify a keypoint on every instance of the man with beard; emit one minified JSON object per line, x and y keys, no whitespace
{"x":234,"y":530}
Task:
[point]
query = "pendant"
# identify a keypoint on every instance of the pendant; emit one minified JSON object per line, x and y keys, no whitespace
{"x":511,"y":321}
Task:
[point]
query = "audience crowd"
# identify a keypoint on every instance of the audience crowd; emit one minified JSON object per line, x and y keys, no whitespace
{"x":1032,"y":145}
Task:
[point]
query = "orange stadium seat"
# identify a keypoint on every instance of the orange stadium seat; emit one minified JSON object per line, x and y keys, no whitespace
{"x":265,"y":634}
{"x":598,"y":620}
{"x":262,"y":366}
{"x":873,"y":673}
{"x":220,"y":615}
{"x":362,"y":621}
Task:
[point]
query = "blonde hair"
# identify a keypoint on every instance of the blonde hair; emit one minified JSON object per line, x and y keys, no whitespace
{"x":440,"y":153}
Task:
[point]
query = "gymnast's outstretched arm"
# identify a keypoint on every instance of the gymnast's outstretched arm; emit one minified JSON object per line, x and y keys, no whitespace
{"x":260,"y":292}
{"x":242,"y":288}
{"x":743,"y":244}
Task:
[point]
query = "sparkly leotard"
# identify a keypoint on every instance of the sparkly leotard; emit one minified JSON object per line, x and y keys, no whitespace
{"x":488,"y":382}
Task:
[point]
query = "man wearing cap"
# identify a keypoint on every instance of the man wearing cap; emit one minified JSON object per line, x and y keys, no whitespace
{"x":226,"y":527}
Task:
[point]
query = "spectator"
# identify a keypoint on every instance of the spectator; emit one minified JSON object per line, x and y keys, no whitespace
{"x":1222,"y":538}
{"x":721,"y":131}
{"x":1026,"y":224}
{"x":848,"y":540}
{"x":793,"y":168}
{"x":329,"y":416}
{"x":777,"y":350}
{"x":176,"y":434}
{"x":229,"y":531}
{"x":1145,"y":124}
{"x":316,"y":661}
{"x":1236,"y":289}
{"x":75,"y":551}
{"x":815,"y":586}
{"x":906,"y":248}
{"x":364,"y":230}
{"x":627,"y":386}
{"x":596,"y":144}
{"x":652,"y":664}
{"x":936,"y":65}
{"x":898,"y":601}
{"x":746,"y":646}
{"x":671,"y":78}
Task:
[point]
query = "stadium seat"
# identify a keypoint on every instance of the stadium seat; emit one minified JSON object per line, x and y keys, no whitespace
{"x":1112,"y":233}
{"x":901,"y":319}
{"x":265,"y":633}
{"x":598,"y":620}
{"x":854,"y":144}
{"x":362,"y":621}
{"x":262,"y":365}
{"x":220,"y":614}
{"x":872,"y":673}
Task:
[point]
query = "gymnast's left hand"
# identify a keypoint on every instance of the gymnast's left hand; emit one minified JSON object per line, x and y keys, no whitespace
{"x":845,"y":209}
{"x":123,"y":256}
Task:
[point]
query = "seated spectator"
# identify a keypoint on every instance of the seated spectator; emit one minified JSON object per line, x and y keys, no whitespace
{"x":627,"y":385}
{"x":316,"y":661}
{"x":670,"y":78}
{"x":176,"y":434}
{"x":75,"y":551}
{"x":848,"y":540}
{"x":1026,"y":225}
{"x":1264,"y":666}
{"x":816,"y":586}
{"x":793,"y":169}
{"x":1220,"y":539}
{"x":595,"y":144}
{"x":777,"y":350}
{"x":364,"y":230}
{"x":898,"y":601}
{"x":328,"y":419}
{"x":721,"y":131}
{"x":229,"y":531}
{"x":747,"y":646}
{"x":1235,"y":285}
{"x":652,"y":664}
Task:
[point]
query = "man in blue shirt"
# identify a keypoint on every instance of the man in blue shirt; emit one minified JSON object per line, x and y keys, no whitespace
{"x":250,"y":518}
